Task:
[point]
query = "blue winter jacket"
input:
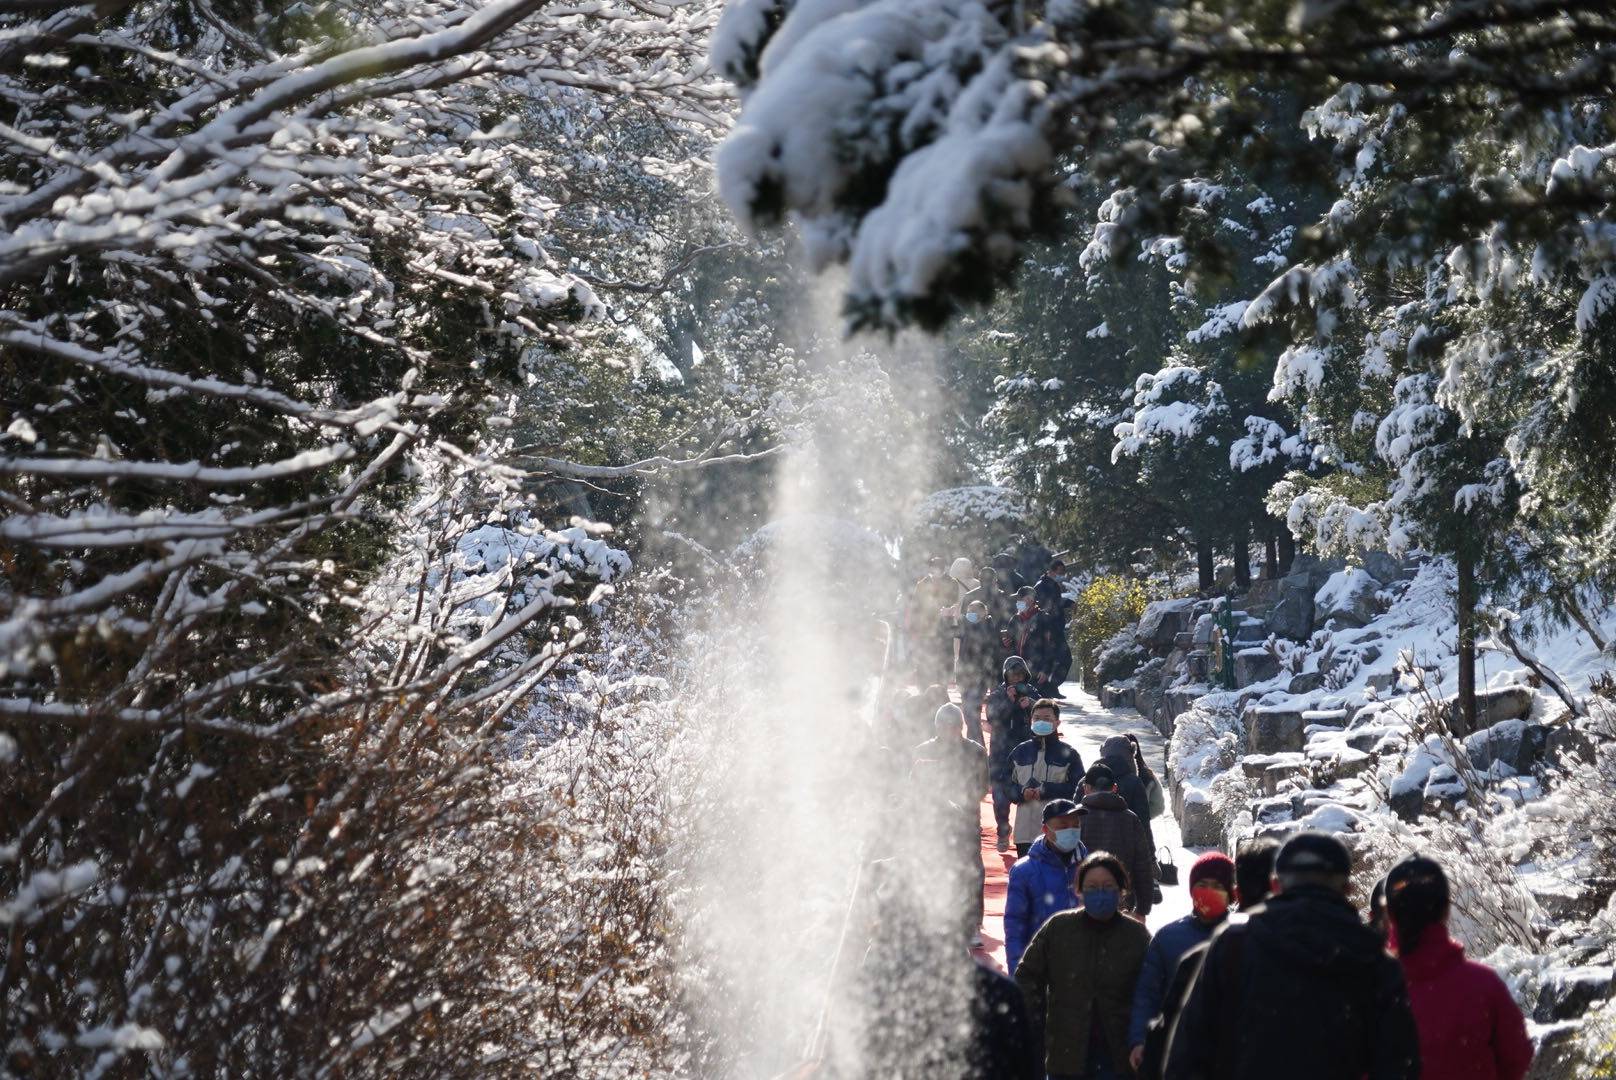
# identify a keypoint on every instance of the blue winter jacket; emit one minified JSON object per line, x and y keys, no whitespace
{"x":1167,"y":948}
{"x":1040,"y":886}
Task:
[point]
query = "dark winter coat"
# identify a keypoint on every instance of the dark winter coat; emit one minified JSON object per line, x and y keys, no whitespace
{"x":1040,"y":886}
{"x":1301,"y":988}
{"x":1051,"y":766}
{"x":1041,"y":641}
{"x":1011,"y":725}
{"x":953,"y":774}
{"x":981,"y":655}
{"x":1470,"y":1028}
{"x":1074,"y":970}
{"x":1004,"y":1041}
{"x":1051,"y":596}
{"x":1110,"y":826}
{"x":1116,"y":754}
{"x":1167,"y":948}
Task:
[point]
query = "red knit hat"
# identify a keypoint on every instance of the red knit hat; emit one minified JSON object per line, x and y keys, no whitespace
{"x":1215,"y":865}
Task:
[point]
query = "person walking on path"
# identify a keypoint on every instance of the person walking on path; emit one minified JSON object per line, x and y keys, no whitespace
{"x":1050,"y":591}
{"x":1301,"y":988}
{"x":1041,"y":769}
{"x":1041,"y":640}
{"x":931,"y":627}
{"x":1078,"y":975}
{"x":1041,"y":884}
{"x":981,"y":658}
{"x":1108,"y":825}
{"x":1009,"y":710}
{"x":1117,"y":754}
{"x":1470,"y":1028}
{"x":951,"y":772}
{"x":1253,"y":873}
{"x":1211,"y":886}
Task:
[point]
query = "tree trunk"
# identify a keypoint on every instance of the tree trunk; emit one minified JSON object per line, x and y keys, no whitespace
{"x":1287,"y":551}
{"x":1204,"y":564}
{"x":1582,"y":620}
{"x":1466,"y":561}
{"x":1270,"y":563}
{"x":1242,"y":556}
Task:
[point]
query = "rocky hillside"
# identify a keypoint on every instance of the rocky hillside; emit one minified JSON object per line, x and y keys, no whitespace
{"x":1325,"y":700}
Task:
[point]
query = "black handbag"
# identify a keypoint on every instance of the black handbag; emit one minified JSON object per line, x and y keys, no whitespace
{"x":1167,"y":872}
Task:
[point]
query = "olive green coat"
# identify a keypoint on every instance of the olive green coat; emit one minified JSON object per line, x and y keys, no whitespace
{"x":1073,"y":966}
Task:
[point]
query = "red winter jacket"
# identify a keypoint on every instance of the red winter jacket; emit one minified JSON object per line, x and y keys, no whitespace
{"x":1470,"y":1028}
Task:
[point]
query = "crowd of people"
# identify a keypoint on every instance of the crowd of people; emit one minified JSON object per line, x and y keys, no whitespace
{"x":1273,"y":974}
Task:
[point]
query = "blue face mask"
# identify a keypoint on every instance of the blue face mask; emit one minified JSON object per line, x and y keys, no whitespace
{"x":1101,"y":903}
{"x":972,"y":617}
{"x":1067,"y":839}
{"x":1043,"y":727}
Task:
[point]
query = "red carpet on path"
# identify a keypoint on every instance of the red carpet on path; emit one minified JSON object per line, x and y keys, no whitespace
{"x":998,"y":878}
{"x":997,"y":865}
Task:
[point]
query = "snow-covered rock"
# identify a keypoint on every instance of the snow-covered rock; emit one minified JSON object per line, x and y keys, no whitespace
{"x":1273,"y":729}
{"x":1347,"y":599}
{"x":1163,"y":621}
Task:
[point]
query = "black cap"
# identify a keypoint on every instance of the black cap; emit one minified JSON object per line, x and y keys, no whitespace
{"x":1026,"y":590}
{"x":1100,"y":776}
{"x":1417,"y":870}
{"x":1313,"y":852}
{"x":1055,"y":808}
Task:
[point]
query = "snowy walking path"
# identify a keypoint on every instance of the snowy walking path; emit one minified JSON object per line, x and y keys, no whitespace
{"x":1085,"y":725}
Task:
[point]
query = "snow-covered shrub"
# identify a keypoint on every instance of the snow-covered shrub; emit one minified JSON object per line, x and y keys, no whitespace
{"x":1118,"y":658}
{"x":976,"y":522}
{"x":1101,"y":624}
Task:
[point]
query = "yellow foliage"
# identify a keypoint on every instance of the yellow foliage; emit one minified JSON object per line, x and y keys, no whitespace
{"x":1105,"y":606}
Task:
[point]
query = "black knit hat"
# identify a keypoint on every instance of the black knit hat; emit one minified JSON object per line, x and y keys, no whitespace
{"x":1313,"y":852}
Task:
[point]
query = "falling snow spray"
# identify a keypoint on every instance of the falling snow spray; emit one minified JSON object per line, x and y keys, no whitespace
{"x":826,"y":909}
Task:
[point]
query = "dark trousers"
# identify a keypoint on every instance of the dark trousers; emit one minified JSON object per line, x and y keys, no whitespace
{"x":971,"y":705}
{"x":1001,"y":802}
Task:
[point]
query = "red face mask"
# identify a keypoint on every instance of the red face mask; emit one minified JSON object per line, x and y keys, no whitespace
{"x":1209,"y":903}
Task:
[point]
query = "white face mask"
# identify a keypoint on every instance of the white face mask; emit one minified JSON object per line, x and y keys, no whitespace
{"x":1067,"y":839}
{"x":1043,"y":727}
{"x":972,"y":617}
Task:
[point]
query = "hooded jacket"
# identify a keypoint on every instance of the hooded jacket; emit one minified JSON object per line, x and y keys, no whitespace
{"x":1108,"y":825}
{"x":1040,"y":886}
{"x":1470,"y":1028}
{"x":1301,"y":988}
{"x":1116,"y":753}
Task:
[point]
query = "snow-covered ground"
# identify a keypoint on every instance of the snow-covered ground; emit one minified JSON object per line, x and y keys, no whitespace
{"x":1085,"y":724}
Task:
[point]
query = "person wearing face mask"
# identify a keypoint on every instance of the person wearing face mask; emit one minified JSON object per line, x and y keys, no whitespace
{"x":981,"y":657}
{"x":1009,"y":710}
{"x":1253,"y":874}
{"x":1041,"y":638}
{"x":1078,"y":976}
{"x":1041,"y":884}
{"x":1050,"y":591}
{"x":990,"y":591}
{"x":1300,"y":987}
{"x":1211,"y":883}
{"x":1041,"y":769}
